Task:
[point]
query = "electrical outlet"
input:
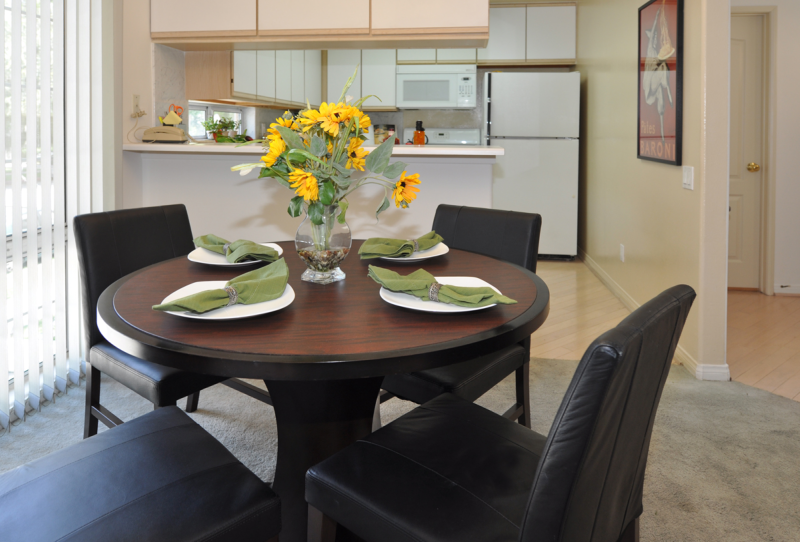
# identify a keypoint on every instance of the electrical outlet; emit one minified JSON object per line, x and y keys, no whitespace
{"x":688,"y":177}
{"x":135,"y":103}
{"x":622,"y":253}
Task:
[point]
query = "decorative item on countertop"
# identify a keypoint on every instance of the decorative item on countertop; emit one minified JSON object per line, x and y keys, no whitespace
{"x":419,"y":134}
{"x":211,"y":126}
{"x":316,"y":154}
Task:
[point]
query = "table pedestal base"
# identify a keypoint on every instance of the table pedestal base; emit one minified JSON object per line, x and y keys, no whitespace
{"x":315,"y":420}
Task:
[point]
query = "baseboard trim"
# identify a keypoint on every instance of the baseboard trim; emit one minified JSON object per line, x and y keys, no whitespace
{"x":701,"y":371}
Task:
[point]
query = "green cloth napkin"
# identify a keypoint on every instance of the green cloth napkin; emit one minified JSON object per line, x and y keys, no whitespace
{"x":378,"y":247}
{"x":257,"y":286}
{"x":238,"y":251}
{"x":419,"y":283}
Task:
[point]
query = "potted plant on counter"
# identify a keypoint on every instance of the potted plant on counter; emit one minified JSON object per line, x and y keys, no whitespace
{"x":211,"y":127}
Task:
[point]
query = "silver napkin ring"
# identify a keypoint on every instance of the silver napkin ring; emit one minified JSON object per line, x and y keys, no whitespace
{"x":233,"y":297}
{"x":416,"y":245}
{"x":225,"y":248}
{"x":433,"y":293}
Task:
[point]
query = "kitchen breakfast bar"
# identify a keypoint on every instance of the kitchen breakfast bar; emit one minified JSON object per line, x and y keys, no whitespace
{"x":225,"y":203}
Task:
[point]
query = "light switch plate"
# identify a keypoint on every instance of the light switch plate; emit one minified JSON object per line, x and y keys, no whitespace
{"x":688,"y":177}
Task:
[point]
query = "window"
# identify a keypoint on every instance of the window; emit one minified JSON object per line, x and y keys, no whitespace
{"x":199,"y":112}
{"x":196,"y":119}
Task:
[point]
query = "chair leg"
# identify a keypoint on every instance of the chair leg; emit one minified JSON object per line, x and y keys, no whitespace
{"x":321,"y":528}
{"x":92,"y":400}
{"x":523,"y":382}
{"x":191,"y":402}
{"x":156,"y":407}
{"x":376,"y":415}
{"x":631,"y":533}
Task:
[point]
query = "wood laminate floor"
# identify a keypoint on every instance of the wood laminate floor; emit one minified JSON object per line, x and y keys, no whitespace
{"x":764,"y":342}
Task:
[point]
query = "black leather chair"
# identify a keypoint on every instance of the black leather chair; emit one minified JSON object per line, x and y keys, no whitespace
{"x":137,"y":483}
{"x":452,"y":471}
{"x":111,"y":245}
{"x":505,"y":235}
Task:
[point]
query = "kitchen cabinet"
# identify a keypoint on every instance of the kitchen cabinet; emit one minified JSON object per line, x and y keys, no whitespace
{"x":283,"y":76}
{"x":265,"y":75}
{"x":298,"y":77}
{"x":202,"y":18}
{"x":506,"y":36}
{"x":245,"y":66}
{"x":208,"y":75}
{"x":378,"y":77}
{"x":341,"y":64}
{"x":416,"y":56}
{"x":551,"y":33}
{"x":312,"y":17}
{"x":429,"y":16}
{"x":313,"y":77}
{"x":456,"y":56}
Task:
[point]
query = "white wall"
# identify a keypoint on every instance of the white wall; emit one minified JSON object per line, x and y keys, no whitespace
{"x":786,"y":114}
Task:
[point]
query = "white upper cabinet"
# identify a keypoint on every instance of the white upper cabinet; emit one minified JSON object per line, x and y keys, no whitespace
{"x":265,"y":75}
{"x":435,"y":16}
{"x":298,"y":77}
{"x":456,"y":56}
{"x":416,"y":56}
{"x":202,"y":18}
{"x":313,"y":79}
{"x":378,"y":77}
{"x":551,"y":33}
{"x":298,"y":17}
{"x":283,"y":76}
{"x":506,"y":35}
{"x":341,"y":64}
{"x":245,"y":68}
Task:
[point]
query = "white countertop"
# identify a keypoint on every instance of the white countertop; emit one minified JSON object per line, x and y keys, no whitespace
{"x":464,"y":151}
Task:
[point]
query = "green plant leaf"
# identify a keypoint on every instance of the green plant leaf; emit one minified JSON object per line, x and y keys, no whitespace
{"x":360,"y":102}
{"x":393,"y":171}
{"x":382,"y":207}
{"x":343,"y":205}
{"x":295,"y":206}
{"x":318,"y":147}
{"x":326,"y":193}
{"x":342,"y":170}
{"x":348,"y":83}
{"x":378,"y":159}
{"x":293,"y":141}
{"x":315,"y":212}
{"x":298,"y":156}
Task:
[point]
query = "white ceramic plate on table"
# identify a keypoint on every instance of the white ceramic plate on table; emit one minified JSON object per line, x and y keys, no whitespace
{"x":439,"y":250}
{"x":209,"y":257}
{"x":234,"y":312}
{"x":408,"y":301}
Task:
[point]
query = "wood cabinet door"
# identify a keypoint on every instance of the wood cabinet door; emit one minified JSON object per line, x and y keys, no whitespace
{"x":202,"y":18}
{"x":283,"y":76}
{"x":551,"y":33}
{"x":298,"y":77}
{"x":341,"y":64}
{"x":506,"y":35}
{"x":416,"y":56}
{"x":429,"y":16}
{"x":265,"y":75}
{"x":379,"y":77}
{"x":303,"y":17}
{"x":313,"y":79}
{"x":245,"y":68}
{"x":456,"y":56}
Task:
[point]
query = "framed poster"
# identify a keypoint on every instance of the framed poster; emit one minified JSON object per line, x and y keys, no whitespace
{"x":660,"y":124}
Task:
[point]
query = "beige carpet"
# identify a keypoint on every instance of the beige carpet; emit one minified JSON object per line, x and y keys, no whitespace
{"x":724,"y":459}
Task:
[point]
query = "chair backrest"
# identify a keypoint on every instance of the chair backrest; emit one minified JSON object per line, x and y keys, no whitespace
{"x":588,"y":486}
{"x":113,"y":244}
{"x":505,"y":235}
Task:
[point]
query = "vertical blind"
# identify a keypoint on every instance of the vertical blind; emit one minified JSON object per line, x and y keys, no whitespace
{"x":51,"y":142}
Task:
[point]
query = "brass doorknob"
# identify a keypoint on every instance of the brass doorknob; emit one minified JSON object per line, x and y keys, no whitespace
{"x":753,"y":167}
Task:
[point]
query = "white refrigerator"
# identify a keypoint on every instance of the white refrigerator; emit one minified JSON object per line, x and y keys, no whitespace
{"x":535,"y":117}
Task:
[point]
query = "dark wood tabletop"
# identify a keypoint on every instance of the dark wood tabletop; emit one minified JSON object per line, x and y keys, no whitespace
{"x":339,"y":330}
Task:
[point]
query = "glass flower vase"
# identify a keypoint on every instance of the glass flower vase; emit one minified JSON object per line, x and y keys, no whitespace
{"x":323,"y":247}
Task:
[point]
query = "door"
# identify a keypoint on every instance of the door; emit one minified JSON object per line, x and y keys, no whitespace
{"x":313,"y":79}
{"x":341,"y":64}
{"x":245,"y":67}
{"x":506,"y":35}
{"x":746,"y":156}
{"x":265,"y":75}
{"x":298,"y":77}
{"x":378,"y":77}
{"x":551,"y":33}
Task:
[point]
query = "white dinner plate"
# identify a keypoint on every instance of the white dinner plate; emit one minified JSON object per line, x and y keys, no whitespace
{"x":408,"y":301}
{"x":439,"y":250}
{"x":209,"y":257}
{"x":233,"y":312}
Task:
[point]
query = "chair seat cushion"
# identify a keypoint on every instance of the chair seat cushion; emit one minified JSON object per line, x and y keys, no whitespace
{"x":158,"y":384}
{"x":158,"y":477}
{"x":468,"y":379}
{"x":449,"y":470}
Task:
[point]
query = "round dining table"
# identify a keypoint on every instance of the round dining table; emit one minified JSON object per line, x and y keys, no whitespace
{"x":324,"y":356}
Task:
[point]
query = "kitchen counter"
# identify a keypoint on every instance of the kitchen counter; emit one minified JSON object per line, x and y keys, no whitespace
{"x":465,"y":151}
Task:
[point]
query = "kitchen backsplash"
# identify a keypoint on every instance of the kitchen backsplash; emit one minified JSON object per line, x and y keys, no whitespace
{"x":169,"y":82}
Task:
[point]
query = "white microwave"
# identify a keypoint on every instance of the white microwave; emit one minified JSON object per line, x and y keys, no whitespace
{"x":433,"y":86}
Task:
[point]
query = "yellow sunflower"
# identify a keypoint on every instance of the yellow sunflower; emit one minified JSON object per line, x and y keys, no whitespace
{"x":273,"y":133}
{"x":310,"y":118}
{"x":404,"y":190}
{"x":330,"y":117}
{"x":305,"y":184}
{"x":355,"y":154}
{"x":276,"y":148}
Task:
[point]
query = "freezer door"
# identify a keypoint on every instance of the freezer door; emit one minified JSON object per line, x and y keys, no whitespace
{"x":534,"y":104}
{"x":541,"y":176}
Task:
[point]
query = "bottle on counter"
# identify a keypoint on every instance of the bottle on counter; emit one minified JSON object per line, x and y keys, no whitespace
{"x":419,"y":134}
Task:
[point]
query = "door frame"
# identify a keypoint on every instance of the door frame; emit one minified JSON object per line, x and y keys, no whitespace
{"x":766,"y":268}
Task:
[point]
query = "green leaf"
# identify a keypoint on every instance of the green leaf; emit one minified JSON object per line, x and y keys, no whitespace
{"x":360,"y":102}
{"x":383,"y":206}
{"x":315,"y":212}
{"x":343,"y":205}
{"x":318,"y":147}
{"x":348,"y":83}
{"x":293,"y":141}
{"x":378,"y":159}
{"x":326,"y":193}
{"x":343,"y":170}
{"x":295,"y":206}
{"x":394,"y":170}
{"x":298,"y":156}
